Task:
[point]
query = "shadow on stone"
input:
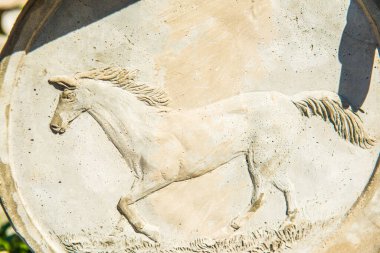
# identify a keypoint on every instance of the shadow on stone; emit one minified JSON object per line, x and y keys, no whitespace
{"x":70,"y":15}
{"x":356,"y":53}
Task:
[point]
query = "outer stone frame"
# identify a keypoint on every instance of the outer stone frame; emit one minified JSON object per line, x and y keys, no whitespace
{"x":32,"y":19}
{"x":29,"y":23}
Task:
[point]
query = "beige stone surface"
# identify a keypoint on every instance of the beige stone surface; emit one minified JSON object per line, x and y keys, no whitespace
{"x":232,"y":70}
{"x":3,"y":39}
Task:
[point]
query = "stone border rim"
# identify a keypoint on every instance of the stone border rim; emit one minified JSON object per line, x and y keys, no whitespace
{"x":37,"y":239}
{"x":34,"y":235}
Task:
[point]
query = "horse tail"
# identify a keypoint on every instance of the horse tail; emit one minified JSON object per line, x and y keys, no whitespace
{"x":328,"y":106}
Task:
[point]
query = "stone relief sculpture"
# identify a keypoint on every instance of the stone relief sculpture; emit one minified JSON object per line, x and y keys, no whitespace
{"x":238,"y":96}
{"x":162,"y":145}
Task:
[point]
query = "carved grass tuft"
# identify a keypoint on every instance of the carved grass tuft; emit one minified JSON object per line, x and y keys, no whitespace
{"x":260,"y":241}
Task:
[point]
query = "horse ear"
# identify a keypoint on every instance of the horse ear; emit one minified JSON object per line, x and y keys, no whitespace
{"x":65,"y":82}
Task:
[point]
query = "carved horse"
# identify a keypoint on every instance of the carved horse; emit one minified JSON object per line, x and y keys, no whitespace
{"x":164,"y":145}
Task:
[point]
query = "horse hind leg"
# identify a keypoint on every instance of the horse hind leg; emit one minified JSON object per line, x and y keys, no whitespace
{"x":257,"y":194}
{"x":254,"y":173}
{"x":286,"y":187}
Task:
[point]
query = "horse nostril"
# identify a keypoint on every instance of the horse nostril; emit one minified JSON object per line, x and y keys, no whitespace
{"x":55,"y":128}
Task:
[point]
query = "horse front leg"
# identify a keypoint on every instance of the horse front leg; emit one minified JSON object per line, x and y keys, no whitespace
{"x":137,"y":169}
{"x":137,"y":223}
{"x":141,"y":190}
{"x":286,"y":187}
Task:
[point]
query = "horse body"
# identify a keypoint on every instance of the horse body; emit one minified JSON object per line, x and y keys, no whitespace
{"x":169,"y":142}
{"x":217,"y":133}
{"x":163,"y":145}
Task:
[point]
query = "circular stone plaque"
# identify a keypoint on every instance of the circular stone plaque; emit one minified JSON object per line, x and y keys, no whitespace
{"x":192,"y":126}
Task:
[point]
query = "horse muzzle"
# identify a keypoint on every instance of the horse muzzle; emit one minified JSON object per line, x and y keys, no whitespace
{"x":56,"y":125}
{"x":57,"y":129}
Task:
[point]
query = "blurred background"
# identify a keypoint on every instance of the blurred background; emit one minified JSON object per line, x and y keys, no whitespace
{"x":9,"y":241}
{"x":9,"y":10}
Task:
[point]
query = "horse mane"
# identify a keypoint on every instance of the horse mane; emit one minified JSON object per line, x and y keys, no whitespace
{"x":126,"y":80}
{"x":346,"y":123}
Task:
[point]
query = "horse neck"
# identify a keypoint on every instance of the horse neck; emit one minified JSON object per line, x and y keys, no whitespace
{"x":124,"y":119}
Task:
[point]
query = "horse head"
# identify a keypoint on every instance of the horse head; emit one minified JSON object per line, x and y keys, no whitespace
{"x":80,"y":92}
{"x":72,"y":102}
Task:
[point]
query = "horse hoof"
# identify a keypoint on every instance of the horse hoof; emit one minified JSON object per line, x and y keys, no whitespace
{"x":152,"y":233}
{"x":292,"y":216}
{"x":236,"y":224}
{"x":286,"y":225}
{"x":155,"y":237}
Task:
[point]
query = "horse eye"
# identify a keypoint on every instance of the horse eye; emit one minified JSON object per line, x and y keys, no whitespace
{"x":69,"y":96}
